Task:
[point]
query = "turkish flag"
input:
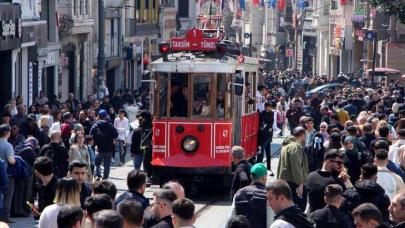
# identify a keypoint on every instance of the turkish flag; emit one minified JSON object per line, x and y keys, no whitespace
{"x":281,"y":5}
{"x":256,"y":2}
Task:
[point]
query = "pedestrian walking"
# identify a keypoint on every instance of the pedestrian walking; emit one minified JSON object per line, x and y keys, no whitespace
{"x":121,"y":124}
{"x":241,"y":175}
{"x":104,"y":135}
{"x":293,"y":166}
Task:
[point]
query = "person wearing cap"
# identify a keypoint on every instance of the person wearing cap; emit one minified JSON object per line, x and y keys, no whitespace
{"x":332,"y":172}
{"x":293,"y":165}
{"x":6,"y":155}
{"x":254,"y":210}
{"x":104,"y":135}
{"x":266,"y":123}
{"x":241,"y":175}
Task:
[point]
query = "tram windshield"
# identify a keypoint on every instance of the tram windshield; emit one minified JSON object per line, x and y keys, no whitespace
{"x":192,"y":95}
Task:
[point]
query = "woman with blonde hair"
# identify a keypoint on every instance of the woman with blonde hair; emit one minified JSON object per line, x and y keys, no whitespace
{"x":67,"y":193}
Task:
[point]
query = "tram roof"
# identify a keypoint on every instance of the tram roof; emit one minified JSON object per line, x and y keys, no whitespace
{"x":190,"y":63}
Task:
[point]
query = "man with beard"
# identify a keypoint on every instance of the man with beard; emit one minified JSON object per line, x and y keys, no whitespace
{"x":397,"y":210}
{"x":161,"y":207}
{"x":331,"y":173}
{"x":30,"y":128}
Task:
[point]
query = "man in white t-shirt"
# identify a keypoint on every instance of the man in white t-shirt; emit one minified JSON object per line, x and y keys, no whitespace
{"x":389,"y":181}
{"x":260,"y":99}
{"x":121,"y":124}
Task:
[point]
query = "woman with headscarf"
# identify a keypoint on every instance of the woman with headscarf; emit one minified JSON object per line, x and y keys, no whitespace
{"x":315,"y":152}
{"x":23,"y":187}
{"x":352,"y":159}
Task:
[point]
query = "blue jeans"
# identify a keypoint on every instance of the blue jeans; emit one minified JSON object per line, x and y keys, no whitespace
{"x":121,"y":149}
{"x":106,"y":157}
{"x":137,"y":160}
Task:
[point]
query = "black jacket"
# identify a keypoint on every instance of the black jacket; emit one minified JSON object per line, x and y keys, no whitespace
{"x":296,"y":217}
{"x":241,"y":177}
{"x":331,"y":217}
{"x":165,"y":222}
{"x":266,"y":120}
{"x":104,"y":134}
{"x":367,"y":139}
{"x":316,"y":184}
{"x":59,"y":155}
{"x":250,"y":201}
{"x":366,"y":191}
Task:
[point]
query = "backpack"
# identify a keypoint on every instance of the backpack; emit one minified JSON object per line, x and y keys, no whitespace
{"x":20,"y":170}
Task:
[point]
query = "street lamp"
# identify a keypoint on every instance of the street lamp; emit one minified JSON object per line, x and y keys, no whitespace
{"x":248,"y":35}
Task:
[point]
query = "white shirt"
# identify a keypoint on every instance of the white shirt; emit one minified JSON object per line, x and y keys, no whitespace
{"x":389,"y":181}
{"x":49,"y":216}
{"x":121,"y":126}
{"x":279,"y":223}
{"x":393,"y":152}
{"x":132,"y":110}
{"x":260,"y":101}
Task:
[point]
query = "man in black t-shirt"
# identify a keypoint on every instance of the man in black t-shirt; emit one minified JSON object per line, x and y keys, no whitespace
{"x":331,"y":173}
{"x":46,"y":186}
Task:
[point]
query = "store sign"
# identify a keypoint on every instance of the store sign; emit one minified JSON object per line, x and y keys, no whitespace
{"x":9,"y":29}
{"x":194,"y":41}
{"x":30,"y":82}
{"x":335,"y":17}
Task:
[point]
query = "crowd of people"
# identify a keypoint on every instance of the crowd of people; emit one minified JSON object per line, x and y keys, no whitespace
{"x":342,"y":165}
{"x":55,"y":160}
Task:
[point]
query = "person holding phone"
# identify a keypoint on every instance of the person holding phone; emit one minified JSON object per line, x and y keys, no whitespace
{"x":46,"y":185}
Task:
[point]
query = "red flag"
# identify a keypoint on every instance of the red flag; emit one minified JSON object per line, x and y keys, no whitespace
{"x":281,"y":5}
{"x":256,"y":2}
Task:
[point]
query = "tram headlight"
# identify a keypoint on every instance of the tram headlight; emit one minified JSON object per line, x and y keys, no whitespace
{"x":190,"y":143}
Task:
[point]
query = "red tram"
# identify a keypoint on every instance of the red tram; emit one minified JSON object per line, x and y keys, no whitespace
{"x":203,"y":104}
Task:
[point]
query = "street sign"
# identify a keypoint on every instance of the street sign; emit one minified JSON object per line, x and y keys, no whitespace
{"x":194,"y":41}
{"x":247,"y":35}
{"x":289,"y":52}
{"x":370,"y":35}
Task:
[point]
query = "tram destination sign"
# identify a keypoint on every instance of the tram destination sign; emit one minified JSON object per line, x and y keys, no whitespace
{"x":194,"y":41}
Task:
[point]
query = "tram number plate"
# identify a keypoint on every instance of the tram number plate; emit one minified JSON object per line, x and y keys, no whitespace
{"x":222,"y":149}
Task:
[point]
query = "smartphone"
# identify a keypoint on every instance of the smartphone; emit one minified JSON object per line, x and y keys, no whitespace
{"x":32,"y":207}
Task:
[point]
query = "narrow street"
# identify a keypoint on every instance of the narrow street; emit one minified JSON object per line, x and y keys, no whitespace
{"x":211,"y":211}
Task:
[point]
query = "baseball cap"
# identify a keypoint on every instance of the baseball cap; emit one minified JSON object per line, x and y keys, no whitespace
{"x":4,"y":128}
{"x":102,"y":113}
{"x":258,"y":170}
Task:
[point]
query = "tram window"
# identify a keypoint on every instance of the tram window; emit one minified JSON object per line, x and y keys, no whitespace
{"x":179,"y":95}
{"x":201,"y":95}
{"x":221,"y":95}
{"x":163,"y":88}
{"x":249,"y":90}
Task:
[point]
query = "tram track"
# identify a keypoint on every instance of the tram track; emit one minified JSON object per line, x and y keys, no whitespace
{"x":205,"y":208}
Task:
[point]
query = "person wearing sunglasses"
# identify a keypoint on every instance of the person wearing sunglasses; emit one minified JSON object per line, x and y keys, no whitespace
{"x":332,"y":172}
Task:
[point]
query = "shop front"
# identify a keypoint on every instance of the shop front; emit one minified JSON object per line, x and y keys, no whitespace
{"x":10,"y":42}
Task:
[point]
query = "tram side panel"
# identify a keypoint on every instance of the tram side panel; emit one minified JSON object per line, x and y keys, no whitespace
{"x":249,"y":139}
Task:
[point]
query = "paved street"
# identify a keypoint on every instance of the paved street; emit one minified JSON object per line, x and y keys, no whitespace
{"x":211,"y":211}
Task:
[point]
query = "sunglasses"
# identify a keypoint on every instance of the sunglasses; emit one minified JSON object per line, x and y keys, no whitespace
{"x":337,"y":162}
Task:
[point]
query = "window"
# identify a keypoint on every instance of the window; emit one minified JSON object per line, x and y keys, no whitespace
{"x":163,"y":89}
{"x":80,"y":7}
{"x":179,"y":91}
{"x":183,"y":8}
{"x":249,"y":93}
{"x":221,"y":95}
{"x":202,"y":96}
